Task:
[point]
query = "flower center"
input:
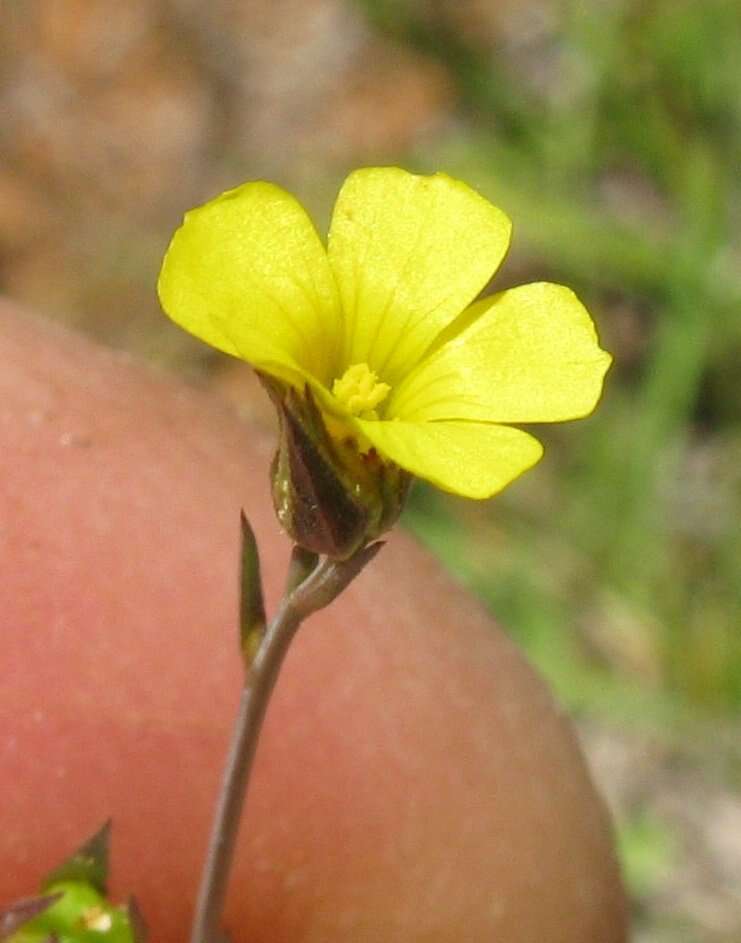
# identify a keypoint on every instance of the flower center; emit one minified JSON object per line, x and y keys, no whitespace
{"x":359,"y":391}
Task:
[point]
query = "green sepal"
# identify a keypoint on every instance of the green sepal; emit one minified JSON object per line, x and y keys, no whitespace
{"x":74,"y":907}
{"x":22,"y":912}
{"x":252,"y":619}
{"x":89,"y":864}
{"x":137,"y":923}
{"x":331,"y":583}
{"x":331,"y":494}
{"x":313,"y":501}
{"x":81,"y":914}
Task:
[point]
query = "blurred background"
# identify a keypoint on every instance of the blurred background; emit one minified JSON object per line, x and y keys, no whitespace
{"x":610,"y":132}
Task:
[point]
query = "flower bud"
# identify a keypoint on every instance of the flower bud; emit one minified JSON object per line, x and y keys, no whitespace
{"x":329,"y":495}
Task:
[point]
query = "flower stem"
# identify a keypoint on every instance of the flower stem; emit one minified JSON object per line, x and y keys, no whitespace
{"x":252,"y":706}
{"x":319,"y":588}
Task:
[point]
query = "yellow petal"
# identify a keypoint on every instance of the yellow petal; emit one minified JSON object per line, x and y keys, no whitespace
{"x":248,"y":274}
{"x":471,"y":459}
{"x":529,"y":354}
{"x":409,"y":254}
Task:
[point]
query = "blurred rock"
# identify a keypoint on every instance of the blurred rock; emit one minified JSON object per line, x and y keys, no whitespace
{"x":118,"y":117}
{"x":351,"y":120}
{"x":24,"y":213}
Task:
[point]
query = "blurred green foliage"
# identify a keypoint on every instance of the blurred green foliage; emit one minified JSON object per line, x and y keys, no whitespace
{"x":613,"y":140}
{"x":648,"y":850}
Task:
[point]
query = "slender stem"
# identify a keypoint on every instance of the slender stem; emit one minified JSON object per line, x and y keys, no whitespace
{"x":252,"y":706}
{"x":317,"y":590}
{"x":259,"y":682}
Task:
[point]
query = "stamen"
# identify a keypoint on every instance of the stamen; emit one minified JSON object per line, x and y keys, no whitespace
{"x":360,"y":391}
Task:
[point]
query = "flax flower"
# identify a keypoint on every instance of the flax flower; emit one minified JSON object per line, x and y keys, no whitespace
{"x":383,"y":327}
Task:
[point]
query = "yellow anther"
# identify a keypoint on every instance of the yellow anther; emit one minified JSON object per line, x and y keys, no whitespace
{"x":360,"y":391}
{"x":97,"y":919}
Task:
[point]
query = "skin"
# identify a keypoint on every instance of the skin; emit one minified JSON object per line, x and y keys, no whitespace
{"x":415,"y":781}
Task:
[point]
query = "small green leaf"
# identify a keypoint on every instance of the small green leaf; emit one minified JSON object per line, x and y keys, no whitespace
{"x":88,"y":864}
{"x":251,"y":602}
{"x":647,"y":849}
{"x":303,"y":561}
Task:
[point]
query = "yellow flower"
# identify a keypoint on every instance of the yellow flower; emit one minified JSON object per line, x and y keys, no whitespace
{"x":382,"y":325}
